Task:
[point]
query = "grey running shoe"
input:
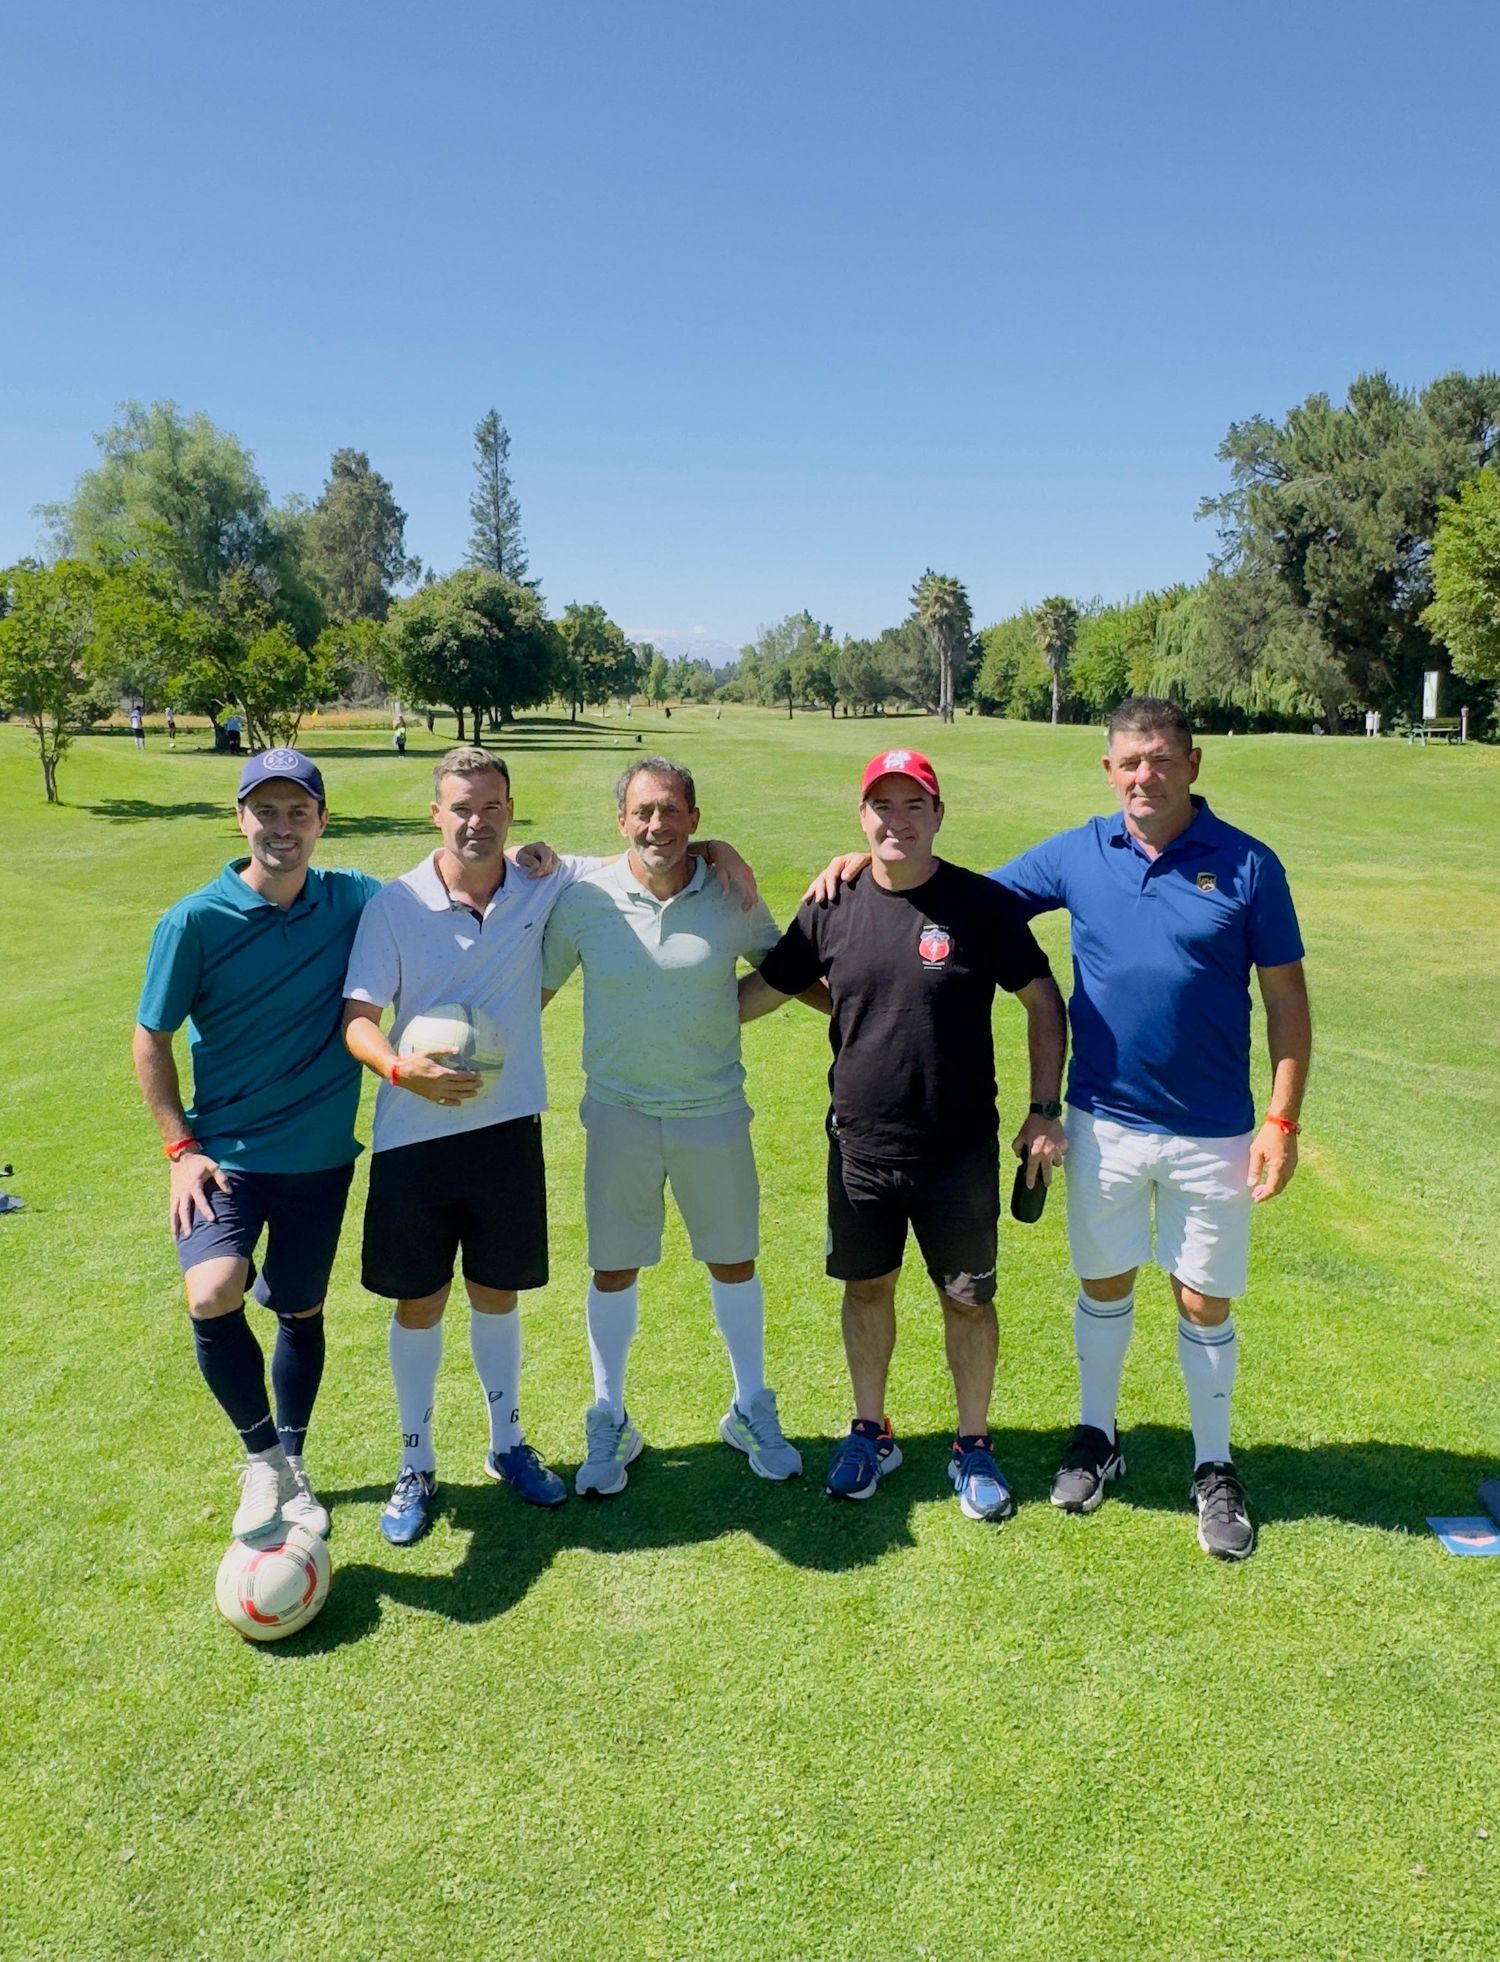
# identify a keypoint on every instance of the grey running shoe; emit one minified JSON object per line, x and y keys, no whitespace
{"x":757,"y":1432}
{"x":1224,"y":1528}
{"x":1089,"y":1463}
{"x":612,"y":1446}
{"x":259,"y":1509}
{"x":300,"y":1505}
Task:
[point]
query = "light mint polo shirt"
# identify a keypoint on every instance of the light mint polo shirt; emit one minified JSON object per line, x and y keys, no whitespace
{"x":418,"y":948}
{"x":661,"y":1017}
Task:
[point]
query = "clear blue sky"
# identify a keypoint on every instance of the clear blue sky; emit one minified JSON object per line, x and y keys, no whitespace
{"x":780,"y":304}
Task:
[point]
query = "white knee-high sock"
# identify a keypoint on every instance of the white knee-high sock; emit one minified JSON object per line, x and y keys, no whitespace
{"x":612,"y":1319}
{"x":415,"y":1356}
{"x":495,"y":1345}
{"x":740,"y":1311}
{"x":1101,"y":1335}
{"x":1209,"y":1358}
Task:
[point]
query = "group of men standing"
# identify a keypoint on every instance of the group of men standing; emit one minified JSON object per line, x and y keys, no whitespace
{"x":285,"y":973}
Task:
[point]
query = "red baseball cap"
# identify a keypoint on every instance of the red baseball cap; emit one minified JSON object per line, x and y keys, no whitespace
{"x":899,"y":763}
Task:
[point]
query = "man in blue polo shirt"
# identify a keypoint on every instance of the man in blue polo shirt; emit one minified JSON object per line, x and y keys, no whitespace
{"x":1171,"y":910}
{"x":254,"y":962}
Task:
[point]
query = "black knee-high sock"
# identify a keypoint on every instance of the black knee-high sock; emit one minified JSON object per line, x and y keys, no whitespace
{"x":235,"y":1370}
{"x":296,"y":1372}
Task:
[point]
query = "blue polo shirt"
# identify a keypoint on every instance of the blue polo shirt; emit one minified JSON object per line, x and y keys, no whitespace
{"x":261,"y":988}
{"x":1162,"y":953}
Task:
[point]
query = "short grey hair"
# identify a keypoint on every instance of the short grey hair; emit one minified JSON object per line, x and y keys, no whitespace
{"x":467,"y":761}
{"x":1145,"y":715}
{"x":656,"y":766}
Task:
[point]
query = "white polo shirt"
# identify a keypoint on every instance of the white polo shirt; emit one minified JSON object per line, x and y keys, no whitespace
{"x":661,"y":1018}
{"x":419,"y":948}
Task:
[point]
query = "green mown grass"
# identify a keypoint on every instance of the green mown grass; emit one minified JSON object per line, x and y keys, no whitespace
{"x":719,"y":1718}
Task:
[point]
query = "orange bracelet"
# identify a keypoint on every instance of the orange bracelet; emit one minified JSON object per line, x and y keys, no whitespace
{"x":1287,"y":1124}
{"x":175,"y":1151}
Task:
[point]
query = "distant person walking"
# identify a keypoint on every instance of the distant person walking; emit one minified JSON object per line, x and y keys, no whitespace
{"x":232,"y":730}
{"x":138,"y":726}
{"x":171,"y":729}
{"x":398,"y":733}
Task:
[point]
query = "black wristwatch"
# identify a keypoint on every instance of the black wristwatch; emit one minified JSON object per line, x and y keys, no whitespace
{"x":1052,"y":1109}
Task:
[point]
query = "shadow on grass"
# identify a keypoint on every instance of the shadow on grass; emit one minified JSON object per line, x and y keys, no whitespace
{"x":136,"y":810}
{"x":676,"y":1497}
{"x":698,"y":1493}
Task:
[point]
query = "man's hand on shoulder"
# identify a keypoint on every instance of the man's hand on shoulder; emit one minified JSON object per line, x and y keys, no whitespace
{"x":843,"y":870}
{"x":1273,"y":1160}
{"x":537,"y":859}
{"x":730,"y":870}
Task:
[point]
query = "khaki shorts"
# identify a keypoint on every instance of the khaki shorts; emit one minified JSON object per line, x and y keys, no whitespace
{"x":629,"y":1161}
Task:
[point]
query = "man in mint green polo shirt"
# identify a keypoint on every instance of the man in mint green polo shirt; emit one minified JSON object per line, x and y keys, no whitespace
{"x":254,"y":963}
{"x":659,"y":946}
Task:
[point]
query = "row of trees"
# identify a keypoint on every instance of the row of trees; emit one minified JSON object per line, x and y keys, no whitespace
{"x":1359,"y":545}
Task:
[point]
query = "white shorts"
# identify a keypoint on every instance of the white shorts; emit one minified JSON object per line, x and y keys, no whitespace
{"x":1202,"y":1196}
{"x":630,"y":1158}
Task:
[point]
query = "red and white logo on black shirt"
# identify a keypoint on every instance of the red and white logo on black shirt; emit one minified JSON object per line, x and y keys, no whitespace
{"x":935,"y":945}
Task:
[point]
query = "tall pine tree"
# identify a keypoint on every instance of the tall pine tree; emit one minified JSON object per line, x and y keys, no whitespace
{"x":495,"y":542}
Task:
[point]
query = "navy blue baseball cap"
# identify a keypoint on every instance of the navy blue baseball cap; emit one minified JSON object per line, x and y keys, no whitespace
{"x":288,"y":763}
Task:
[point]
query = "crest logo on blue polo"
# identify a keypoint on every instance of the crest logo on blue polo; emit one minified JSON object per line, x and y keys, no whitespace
{"x":935,"y":945}
{"x":1207,"y":881}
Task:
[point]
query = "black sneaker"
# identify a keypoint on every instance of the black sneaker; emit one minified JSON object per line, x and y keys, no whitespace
{"x":1089,"y":1463}
{"x":1224,"y":1528}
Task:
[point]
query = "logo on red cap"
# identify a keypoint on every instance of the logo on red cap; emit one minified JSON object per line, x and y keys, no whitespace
{"x":900,"y":763}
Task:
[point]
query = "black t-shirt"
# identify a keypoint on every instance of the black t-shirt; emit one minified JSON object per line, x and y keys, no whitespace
{"x":912,"y":977}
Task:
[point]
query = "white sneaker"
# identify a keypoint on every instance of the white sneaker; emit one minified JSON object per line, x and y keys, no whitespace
{"x":259,"y":1509}
{"x":300,"y":1505}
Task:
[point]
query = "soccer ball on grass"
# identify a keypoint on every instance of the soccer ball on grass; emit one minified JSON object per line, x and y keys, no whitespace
{"x":268,"y":1589}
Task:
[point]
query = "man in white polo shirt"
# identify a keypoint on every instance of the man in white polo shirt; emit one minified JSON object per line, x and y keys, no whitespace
{"x":659,"y":945}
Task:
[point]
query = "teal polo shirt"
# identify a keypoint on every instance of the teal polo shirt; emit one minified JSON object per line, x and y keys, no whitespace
{"x":261,"y":988}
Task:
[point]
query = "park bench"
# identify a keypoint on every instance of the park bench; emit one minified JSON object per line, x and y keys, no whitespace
{"x":1442,"y":729}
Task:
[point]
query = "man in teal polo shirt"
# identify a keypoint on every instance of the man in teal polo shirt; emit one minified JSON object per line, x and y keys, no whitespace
{"x":659,"y":945}
{"x":254,"y":962}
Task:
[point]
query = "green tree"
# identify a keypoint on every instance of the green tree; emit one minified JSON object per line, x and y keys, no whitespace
{"x":1055,"y":624}
{"x":815,"y":669}
{"x":1465,"y":610}
{"x":1112,"y":641}
{"x":46,"y":637}
{"x":656,"y":674}
{"x":176,"y":493}
{"x":942,"y":607}
{"x":1013,"y":677}
{"x":598,"y":662}
{"x":473,"y":641}
{"x":1340,"y":504}
{"x":356,"y":540}
{"x":495,"y":541}
{"x":767,"y":666}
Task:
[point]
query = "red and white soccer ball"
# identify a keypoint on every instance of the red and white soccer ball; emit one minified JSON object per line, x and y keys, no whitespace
{"x":271,"y":1588}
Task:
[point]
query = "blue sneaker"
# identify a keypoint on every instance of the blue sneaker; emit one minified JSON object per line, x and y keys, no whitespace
{"x":862,"y":1459}
{"x":408,"y":1511}
{"x":979,"y":1481}
{"x":523,"y":1470}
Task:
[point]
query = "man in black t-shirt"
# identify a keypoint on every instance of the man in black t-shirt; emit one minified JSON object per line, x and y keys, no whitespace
{"x":912,"y":957}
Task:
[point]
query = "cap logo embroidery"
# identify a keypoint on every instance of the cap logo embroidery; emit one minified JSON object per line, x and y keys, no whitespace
{"x":935,"y":945}
{"x":281,"y":759}
{"x":895,"y":760}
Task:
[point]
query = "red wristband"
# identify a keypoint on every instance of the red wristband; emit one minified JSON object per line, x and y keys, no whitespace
{"x":395,"y":1076}
{"x":1287,"y":1124}
{"x":174,"y":1151}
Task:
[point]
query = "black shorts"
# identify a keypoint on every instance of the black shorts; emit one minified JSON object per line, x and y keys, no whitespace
{"x":482,"y":1192}
{"x":953,"y":1208}
{"x":300,"y":1214}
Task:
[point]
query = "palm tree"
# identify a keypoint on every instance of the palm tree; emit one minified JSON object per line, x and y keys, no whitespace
{"x":942,"y":607}
{"x":1055,"y":624}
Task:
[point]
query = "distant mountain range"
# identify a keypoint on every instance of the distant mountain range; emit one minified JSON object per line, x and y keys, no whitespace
{"x":697,"y":647}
